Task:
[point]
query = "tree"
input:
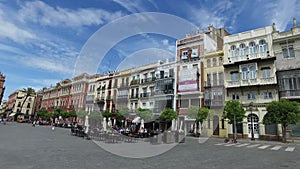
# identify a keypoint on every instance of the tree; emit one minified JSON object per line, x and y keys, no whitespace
{"x":234,"y":112}
{"x":95,"y":118}
{"x":42,"y":113}
{"x":124,"y":112}
{"x":81,"y":114}
{"x":168,"y":115}
{"x":145,"y":114}
{"x":199,"y":114}
{"x":73,"y":113}
{"x":282,"y":112}
{"x":29,"y":91}
{"x":106,"y":114}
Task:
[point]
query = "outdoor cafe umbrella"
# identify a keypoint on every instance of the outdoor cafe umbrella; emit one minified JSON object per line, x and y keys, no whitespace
{"x":109,"y":122}
{"x":173,"y":125}
{"x":104,"y":124}
{"x":142,"y":124}
{"x":86,"y":124}
{"x":181,"y":125}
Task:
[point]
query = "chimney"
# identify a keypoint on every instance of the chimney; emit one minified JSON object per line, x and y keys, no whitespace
{"x":294,"y":22}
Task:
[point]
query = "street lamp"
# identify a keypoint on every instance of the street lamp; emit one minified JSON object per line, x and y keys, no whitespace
{"x":251,"y":116}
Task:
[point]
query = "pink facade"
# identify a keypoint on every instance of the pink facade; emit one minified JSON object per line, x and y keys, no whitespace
{"x":68,"y":95}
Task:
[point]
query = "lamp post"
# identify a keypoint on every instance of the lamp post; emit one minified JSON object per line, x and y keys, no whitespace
{"x":251,"y":116}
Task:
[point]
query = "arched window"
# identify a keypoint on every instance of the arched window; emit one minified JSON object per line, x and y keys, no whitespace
{"x":233,"y":50}
{"x":208,"y":63}
{"x":244,"y":73}
{"x":242,"y":49}
{"x":252,"y":72}
{"x":252,"y":48}
{"x":262,"y":46}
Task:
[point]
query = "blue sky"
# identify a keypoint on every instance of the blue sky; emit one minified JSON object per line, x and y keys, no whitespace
{"x":40,"y":41}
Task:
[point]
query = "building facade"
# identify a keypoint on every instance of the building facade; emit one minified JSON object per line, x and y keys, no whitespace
{"x":250,"y":77}
{"x":214,"y":92}
{"x":19,"y":104}
{"x":190,"y":69}
{"x":286,"y":47}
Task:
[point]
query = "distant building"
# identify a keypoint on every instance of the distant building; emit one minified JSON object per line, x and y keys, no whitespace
{"x":15,"y":102}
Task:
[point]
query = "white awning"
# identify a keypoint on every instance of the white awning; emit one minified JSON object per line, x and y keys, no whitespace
{"x":12,"y":114}
{"x":136,"y":120}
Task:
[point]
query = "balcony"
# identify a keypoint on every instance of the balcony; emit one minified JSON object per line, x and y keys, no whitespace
{"x":233,"y":84}
{"x":242,"y":58}
{"x":134,"y":97}
{"x":135,"y":82}
{"x":148,"y":80}
{"x":268,"y":80}
{"x":251,"y":82}
{"x":164,"y":92}
{"x":207,"y":84}
{"x":213,"y":103}
{"x":290,"y":94}
{"x":144,"y":95}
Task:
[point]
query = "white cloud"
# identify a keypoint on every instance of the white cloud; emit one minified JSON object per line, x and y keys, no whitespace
{"x":40,"y":12}
{"x":170,"y":47}
{"x":9,"y":30}
{"x":131,"y":6}
{"x":49,"y":64}
{"x":282,"y":12}
{"x":204,"y":17}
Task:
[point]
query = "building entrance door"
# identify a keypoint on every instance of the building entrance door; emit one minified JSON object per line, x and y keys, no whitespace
{"x":216,"y":126}
{"x":253,"y":124}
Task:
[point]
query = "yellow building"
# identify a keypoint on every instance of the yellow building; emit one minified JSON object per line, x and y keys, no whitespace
{"x":214,"y":93}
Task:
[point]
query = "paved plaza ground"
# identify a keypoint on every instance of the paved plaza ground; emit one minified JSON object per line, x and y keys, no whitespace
{"x":25,"y":147}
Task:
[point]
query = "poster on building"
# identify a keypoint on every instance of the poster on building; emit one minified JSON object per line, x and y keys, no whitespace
{"x":188,"y":80}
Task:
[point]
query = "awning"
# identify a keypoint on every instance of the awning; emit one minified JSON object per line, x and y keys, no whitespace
{"x":12,"y":114}
{"x":136,"y":120}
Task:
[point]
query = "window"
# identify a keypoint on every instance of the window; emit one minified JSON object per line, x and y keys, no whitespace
{"x":234,"y":76}
{"x":288,"y":52}
{"x":221,"y":78}
{"x":183,"y":67}
{"x":151,"y":104}
{"x":252,"y":48}
{"x":215,"y":79}
{"x":184,"y":55}
{"x":220,"y":61}
{"x":268,"y":95}
{"x":244,"y":73}
{"x":184,"y":103}
{"x":262,"y":46}
{"x":208,"y":63}
{"x":171,"y":73}
{"x":235,"y":96}
{"x":252,"y":72}
{"x":162,"y":73}
{"x":251,"y":96}
{"x":233,"y":51}
{"x":242,"y":49}
{"x":144,"y":104}
{"x":208,"y":79}
{"x":214,"y":62}
{"x":266,"y":72}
